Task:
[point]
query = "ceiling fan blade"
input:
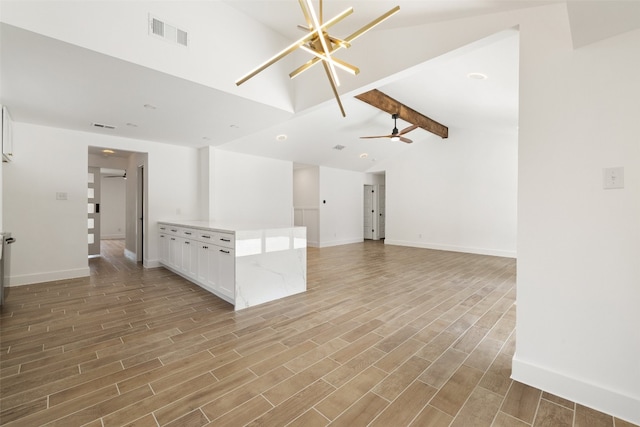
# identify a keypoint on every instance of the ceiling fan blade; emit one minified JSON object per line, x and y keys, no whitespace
{"x":372,"y":24}
{"x":407,"y":140}
{"x":408,"y":129}
{"x":333,"y":87}
{"x":378,"y":136}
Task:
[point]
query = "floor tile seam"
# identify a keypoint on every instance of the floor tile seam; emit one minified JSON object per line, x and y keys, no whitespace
{"x":50,"y":366}
{"x":370,"y":390}
{"x":511,"y":417}
{"x":49,"y":394}
{"x":154,"y":394}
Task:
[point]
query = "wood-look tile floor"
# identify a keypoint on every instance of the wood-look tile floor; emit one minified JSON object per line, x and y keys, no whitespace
{"x":384,"y":336}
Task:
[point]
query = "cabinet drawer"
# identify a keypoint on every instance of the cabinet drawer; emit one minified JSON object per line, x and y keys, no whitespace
{"x":204,"y":236}
{"x":226,"y":240}
{"x":171,"y":230}
{"x":188,"y":233}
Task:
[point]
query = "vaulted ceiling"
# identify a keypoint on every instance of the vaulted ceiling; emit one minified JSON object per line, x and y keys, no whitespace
{"x":50,"y":82}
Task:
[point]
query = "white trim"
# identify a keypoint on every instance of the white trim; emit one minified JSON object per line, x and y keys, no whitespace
{"x":153,"y":263}
{"x":440,"y":247}
{"x":339,"y":242}
{"x":594,"y":396}
{"x":113,"y":237}
{"x":30,"y":279}
{"x":130,"y":255}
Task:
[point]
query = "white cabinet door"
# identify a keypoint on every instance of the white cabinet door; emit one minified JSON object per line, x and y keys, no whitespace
{"x":203,"y":264}
{"x":227,"y":272}
{"x":164,"y":248}
{"x":175,"y":252}
{"x":189,"y":264}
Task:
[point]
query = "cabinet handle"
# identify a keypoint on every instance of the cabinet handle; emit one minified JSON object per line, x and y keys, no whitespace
{"x":225,"y":240}
{"x":187,"y":233}
{"x":174,"y":230}
{"x":222,"y":250}
{"x":205,"y":247}
{"x":206,"y":237}
{"x":162,"y":235}
{"x":163,"y":228}
{"x":187,"y":243}
{"x":173,"y":238}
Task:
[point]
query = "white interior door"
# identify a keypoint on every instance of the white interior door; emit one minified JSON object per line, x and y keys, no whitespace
{"x":93,"y":210}
{"x":369,"y":212}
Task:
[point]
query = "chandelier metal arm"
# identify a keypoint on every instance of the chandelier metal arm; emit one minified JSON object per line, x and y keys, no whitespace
{"x":372,"y":24}
{"x":334,"y":87}
{"x":323,"y":42}
{"x":322,"y":45}
{"x":338,"y":62}
{"x":293,"y":46}
{"x":346,"y":43}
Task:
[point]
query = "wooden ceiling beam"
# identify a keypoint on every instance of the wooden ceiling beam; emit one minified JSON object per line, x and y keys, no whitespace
{"x":387,"y":104}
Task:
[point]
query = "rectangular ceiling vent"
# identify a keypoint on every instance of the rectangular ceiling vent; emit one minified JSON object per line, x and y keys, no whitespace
{"x":167,"y":32}
{"x":102,"y":126}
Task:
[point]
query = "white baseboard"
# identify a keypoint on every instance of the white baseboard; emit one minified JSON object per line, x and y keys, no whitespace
{"x":130,"y":255}
{"x":339,"y":242}
{"x":451,"y":248}
{"x":50,"y":276}
{"x":113,"y":237}
{"x":591,"y":395}
{"x":151,"y":263}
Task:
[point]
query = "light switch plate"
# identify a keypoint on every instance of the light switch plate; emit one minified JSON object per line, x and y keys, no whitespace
{"x":613,"y":178}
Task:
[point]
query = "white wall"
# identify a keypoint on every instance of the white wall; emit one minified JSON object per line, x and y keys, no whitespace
{"x":578,"y":244}
{"x":457,"y":194}
{"x":341,"y":200}
{"x":251,"y":189}
{"x":52,"y":235}
{"x":113,"y":192}
{"x":210,"y":25}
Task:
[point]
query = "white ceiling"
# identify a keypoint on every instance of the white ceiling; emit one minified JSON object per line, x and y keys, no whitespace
{"x":49,"y":82}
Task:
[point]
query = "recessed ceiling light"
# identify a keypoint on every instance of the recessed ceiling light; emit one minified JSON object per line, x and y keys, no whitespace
{"x":281,"y":137}
{"x":477,"y":76}
{"x":150,"y":107}
{"x":364,"y":155}
{"x":107,"y":151}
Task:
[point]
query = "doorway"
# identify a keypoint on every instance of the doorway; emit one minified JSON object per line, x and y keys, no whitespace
{"x":93,"y":211}
{"x":128,"y":203}
{"x":140,"y":215}
{"x":374,"y":212}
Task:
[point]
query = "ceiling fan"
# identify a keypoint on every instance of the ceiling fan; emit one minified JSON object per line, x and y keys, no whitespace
{"x":395,"y":134}
{"x":389,"y":105}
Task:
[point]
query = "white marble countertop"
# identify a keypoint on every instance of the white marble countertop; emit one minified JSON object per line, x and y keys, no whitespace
{"x":225,"y":226}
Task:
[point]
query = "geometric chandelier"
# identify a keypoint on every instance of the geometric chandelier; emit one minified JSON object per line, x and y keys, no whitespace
{"x":321,"y":45}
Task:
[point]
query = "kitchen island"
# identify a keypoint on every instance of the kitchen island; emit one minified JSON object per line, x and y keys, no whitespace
{"x":243,"y":264}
